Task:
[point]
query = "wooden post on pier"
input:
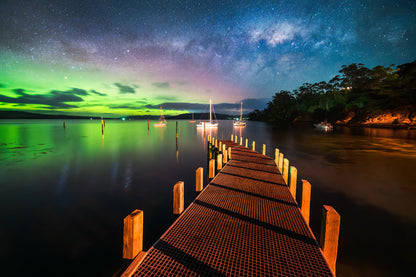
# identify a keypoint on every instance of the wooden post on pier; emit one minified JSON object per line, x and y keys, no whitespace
{"x":286,"y":171}
{"x":208,"y":137}
{"x":219,"y":162}
{"x":330,"y":224}
{"x":220,"y":146}
{"x":253,"y":146}
{"x":236,"y":139}
{"x":223,"y":148}
{"x":199,"y":177}
{"x":280,"y":163}
{"x":232,"y":137}
{"x":293,"y":180}
{"x":246,"y":143}
{"x":178,"y":195}
{"x":211,"y":171}
{"x":133,"y":234}
{"x":306,"y":200}
{"x":216,"y":143}
{"x":276,"y":156}
{"x":229,"y":153}
{"x":263,"y":150}
{"x":224,"y":156}
{"x":241,"y":140}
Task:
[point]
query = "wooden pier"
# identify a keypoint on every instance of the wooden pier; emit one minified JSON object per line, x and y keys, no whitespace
{"x":245,"y":222}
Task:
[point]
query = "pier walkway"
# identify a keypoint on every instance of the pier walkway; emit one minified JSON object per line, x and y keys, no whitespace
{"x":244,"y":223}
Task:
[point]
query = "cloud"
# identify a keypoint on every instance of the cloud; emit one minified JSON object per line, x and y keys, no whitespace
{"x":125,"y":89}
{"x":54,"y":99}
{"x":162,"y":85}
{"x":98,"y":93}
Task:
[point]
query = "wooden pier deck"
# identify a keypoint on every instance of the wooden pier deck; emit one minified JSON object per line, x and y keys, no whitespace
{"x":244,"y":223}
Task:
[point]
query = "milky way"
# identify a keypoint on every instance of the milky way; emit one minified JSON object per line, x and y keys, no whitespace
{"x":131,"y":56}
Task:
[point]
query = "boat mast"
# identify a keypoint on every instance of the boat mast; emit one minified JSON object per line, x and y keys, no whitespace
{"x":210,"y":116}
{"x":241,"y":114}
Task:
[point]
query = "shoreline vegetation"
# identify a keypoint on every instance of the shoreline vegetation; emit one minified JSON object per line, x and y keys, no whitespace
{"x":383,"y":97}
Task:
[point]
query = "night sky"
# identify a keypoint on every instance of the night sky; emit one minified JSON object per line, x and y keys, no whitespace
{"x":128,"y":57}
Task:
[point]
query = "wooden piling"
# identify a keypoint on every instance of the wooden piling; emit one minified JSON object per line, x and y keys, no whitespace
{"x":199,"y":178}
{"x":211,"y":171}
{"x":286,"y":171}
{"x":133,"y":234}
{"x":216,"y":143}
{"x":241,"y":140}
{"x":232,"y":137}
{"x":246,"y":143}
{"x":224,"y":157}
{"x":293,"y":180}
{"x":280,"y":163}
{"x":223,"y":148}
{"x":276,"y":156}
{"x":263,"y":150}
{"x":219,"y":162}
{"x":306,"y":200}
{"x":235,"y":139}
{"x":229,"y":153}
{"x":220,"y":146}
{"x":176,"y":129}
{"x":330,"y":225}
{"x":253,"y":146}
{"x":178,"y":198}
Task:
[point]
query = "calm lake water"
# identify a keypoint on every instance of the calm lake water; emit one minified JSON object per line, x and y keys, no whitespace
{"x":64,"y":192}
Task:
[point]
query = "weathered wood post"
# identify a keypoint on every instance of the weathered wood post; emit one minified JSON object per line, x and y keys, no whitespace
{"x":241,"y":140}
{"x":276,"y":156}
{"x":220,"y":146}
{"x":219,"y":162}
{"x":263,"y":150}
{"x":216,"y":143}
{"x":280,"y":163}
{"x":224,"y":157}
{"x":306,"y":200}
{"x":133,"y":234}
{"x":286,"y":171}
{"x":209,"y":136}
{"x":232,"y":137}
{"x":211,"y":171}
{"x":293,"y":180}
{"x":236,"y":139}
{"x":253,"y":146}
{"x":199,"y":177}
{"x":330,"y":225}
{"x":223,"y":148}
{"x":178,"y":195}
{"x":229,"y":153}
{"x":246,"y":143}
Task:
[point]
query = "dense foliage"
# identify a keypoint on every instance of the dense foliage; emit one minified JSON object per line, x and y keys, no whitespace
{"x":357,"y":89}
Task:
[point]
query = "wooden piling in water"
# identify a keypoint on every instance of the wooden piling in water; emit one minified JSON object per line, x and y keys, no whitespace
{"x":253,"y":146}
{"x":211,"y":171}
{"x":306,"y":200}
{"x":330,"y":225}
{"x":263,"y":150}
{"x":224,"y":156}
{"x":276,"y":156}
{"x":199,"y":179}
{"x":178,"y":198}
{"x":219,"y":162}
{"x":247,"y":143}
{"x":286,"y":171}
{"x":133,"y":234}
{"x":280,"y":163}
{"x":293,"y":180}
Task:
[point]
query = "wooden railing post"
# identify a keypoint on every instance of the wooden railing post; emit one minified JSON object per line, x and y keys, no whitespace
{"x":229,"y":153}
{"x":286,"y":171}
{"x":133,"y":234}
{"x":178,"y":198}
{"x":235,"y":139}
{"x":220,"y":146}
{"x":232,"y":137}
{"x":241,"y":140}
{"x":199,"y":179}
{"x":247,"y":143}
{"x":263,"y":151}
{"x":330,"y":225}
{"x":253,"y":146}
{"x":293,"y":180}
{"x":306,"y":200}
{"x":224,"y":157}
{"x":211,"y":171}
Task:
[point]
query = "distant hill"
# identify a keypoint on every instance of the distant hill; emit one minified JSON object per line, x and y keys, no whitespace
{"x":28,"y":115}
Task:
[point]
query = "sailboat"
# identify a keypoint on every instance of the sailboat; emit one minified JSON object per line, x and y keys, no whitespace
{"x":209,"y":124}
{"x":193,"y":120}
{"x":240,"y":122}
{"x":162,"y":122}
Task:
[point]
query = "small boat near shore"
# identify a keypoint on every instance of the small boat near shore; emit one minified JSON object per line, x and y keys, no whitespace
{"x":240,"y":122}
{"x":324,"y":126}
{"x":209,"y":124}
